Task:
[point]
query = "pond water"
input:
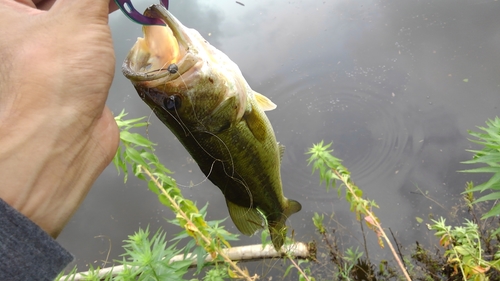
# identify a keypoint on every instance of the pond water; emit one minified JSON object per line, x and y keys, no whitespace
{"x":394,"y":84}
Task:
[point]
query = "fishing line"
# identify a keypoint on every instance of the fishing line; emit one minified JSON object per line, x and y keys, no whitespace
{"x":240,"y":181}
{"x":186,"y":86}
{"x":173,"y":69}
{"x":147,"y":126}
{"x":231,"y":163}
{"x":211,"y":168}
{"x":204,"y":180}
{"x":183,"y":127}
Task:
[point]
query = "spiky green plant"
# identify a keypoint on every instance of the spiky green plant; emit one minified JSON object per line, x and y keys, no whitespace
{"x":331,"y":170}
{"x":489,"y":157}
{"x":463,"y":249}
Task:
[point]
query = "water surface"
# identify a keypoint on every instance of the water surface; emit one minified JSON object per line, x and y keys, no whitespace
{"x":394,"y":84}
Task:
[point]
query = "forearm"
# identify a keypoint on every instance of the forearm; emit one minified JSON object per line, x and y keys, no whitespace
{"x":26,"y":251}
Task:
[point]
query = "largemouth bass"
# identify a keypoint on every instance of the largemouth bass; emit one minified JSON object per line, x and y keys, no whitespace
{"x":202,"y":97}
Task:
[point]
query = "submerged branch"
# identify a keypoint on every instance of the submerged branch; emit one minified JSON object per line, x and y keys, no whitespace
{"x":298,"y":250}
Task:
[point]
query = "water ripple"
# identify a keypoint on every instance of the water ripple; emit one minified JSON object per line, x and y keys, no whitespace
{"x":372,"y":130}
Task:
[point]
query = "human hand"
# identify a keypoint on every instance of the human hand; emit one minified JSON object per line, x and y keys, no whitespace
{"x":56,"y":134}
{"x":46,"y":4}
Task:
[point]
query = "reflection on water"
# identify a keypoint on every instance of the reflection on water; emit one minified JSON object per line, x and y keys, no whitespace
{"x":394,"y":84}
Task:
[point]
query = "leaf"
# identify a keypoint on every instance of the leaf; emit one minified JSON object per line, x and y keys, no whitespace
{"x":419,"y":219}
{"x":152,"y":186}
{"x":444,"y":241}
{"x":488,"y":169}
{"x":232,"y":274}
{"x":485,"y":158}
{"x":135,"y":139}
{"x":318,"y":222}
{"x":164,"y":200}
{"x":370,"y":222}
{"x":288,"y":270}
{"x":264,"y":238}
{"x":480,"y":270}
{"x":135,"y":156}
{"x":491,"y":196}
{"x":491,"y":183}
{"x":200,"y":257}
{"x":495,"y":211}
{"x":150,"y":157}
{"x":462,"y":250}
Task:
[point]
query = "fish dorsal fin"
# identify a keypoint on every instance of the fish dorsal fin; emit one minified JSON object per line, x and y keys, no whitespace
{"x":264,"y":103}
{"x":247,"y":220}
{"x":282,"y":150}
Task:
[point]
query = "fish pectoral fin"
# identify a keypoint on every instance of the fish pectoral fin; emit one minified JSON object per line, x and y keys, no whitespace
{"x":264,"y":103}
{"x":247,"y":220}
{"x":257,"y":125}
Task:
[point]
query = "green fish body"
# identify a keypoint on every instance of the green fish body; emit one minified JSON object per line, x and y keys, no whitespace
{"x":202,"y":97}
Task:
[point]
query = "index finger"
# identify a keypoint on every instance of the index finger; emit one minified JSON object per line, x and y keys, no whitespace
{"x":112,"y":6}
{"x":47,"y":4}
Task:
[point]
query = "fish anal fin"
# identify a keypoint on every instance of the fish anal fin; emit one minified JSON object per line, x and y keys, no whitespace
{"x":247,"y":220}
{"x":293,"y":207}
{"x":265,"y":103}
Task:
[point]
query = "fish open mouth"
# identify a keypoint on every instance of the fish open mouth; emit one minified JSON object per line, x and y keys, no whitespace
{"x":161,"y":52}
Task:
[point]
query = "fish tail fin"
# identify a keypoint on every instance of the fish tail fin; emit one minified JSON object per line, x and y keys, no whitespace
{"x":247,"y":220}
{"x":278,"y":229}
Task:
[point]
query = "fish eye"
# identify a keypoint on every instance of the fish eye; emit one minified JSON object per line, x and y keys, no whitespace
{"x":173,"y":68}
{"x":172,"y":102}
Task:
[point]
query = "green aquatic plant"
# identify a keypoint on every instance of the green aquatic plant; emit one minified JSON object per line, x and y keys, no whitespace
{"x":463,"y":244}
{"x":303,"y":274}
{"x":138,"y":152}
{"x":351,"y":258}
{"x":318,"y":223}
{"x":489,"y":157}
{"x":331,"y":170}
{"x":463,"y":249}
{"x":146,"y":257}
{"x":150,"y":258}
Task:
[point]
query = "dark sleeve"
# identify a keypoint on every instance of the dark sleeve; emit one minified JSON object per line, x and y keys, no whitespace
{"x":26,"y":251}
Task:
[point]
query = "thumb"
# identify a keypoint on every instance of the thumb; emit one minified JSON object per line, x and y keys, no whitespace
{"x":83,"y":11}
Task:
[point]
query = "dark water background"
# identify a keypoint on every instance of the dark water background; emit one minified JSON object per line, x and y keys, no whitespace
{"x":394,"y":84}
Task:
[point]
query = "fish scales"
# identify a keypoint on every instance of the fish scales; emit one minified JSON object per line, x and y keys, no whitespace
{"x":202,"y":97}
